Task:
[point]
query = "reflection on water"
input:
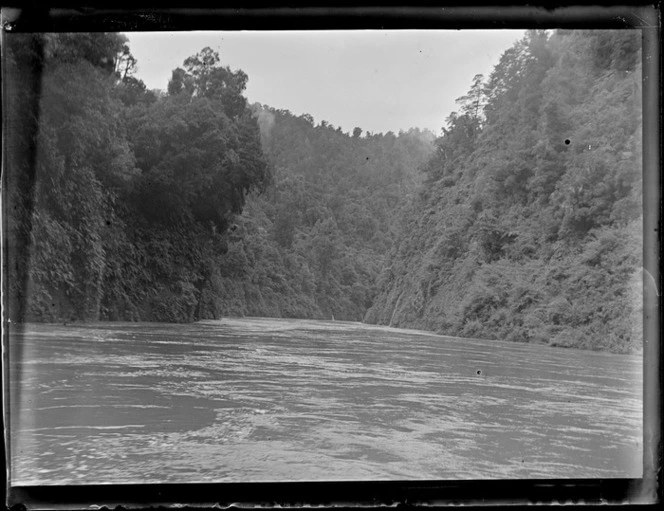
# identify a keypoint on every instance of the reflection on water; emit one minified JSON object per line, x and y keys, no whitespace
{"x":285,"y":400}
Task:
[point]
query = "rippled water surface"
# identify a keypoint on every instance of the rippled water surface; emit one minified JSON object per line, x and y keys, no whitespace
{"x":286,"y":400}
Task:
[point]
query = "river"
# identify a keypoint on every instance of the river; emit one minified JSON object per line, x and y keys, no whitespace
{"x":258,"y":399}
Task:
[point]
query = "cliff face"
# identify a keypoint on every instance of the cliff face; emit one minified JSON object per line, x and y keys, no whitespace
{"x":528,"y":226}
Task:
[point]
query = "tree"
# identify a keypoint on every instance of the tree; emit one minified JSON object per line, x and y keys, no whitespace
{"x":202,"y":76}
{"x":125,"y":63}
{"x":472,"y":104}
{"x":181,"y":82}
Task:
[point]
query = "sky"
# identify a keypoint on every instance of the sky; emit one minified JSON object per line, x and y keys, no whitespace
{"x":377,"y":80}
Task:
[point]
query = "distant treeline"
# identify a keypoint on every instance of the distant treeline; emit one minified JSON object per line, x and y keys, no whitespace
{"x":529,"y":223}
{"x":521,"y":222}
{"x":312,"y":245}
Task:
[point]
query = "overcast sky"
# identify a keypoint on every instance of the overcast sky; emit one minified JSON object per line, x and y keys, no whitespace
{"x":378,"y":80}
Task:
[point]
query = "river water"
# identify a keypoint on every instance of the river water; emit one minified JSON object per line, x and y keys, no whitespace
{"x":297,"y":400}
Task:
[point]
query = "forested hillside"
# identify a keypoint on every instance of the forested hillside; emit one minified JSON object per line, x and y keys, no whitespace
{"x":528,"y":226}
{"x":125,"y":214}
{"x":312,"y":245}
{"x":521,"y":222}
{"x":129,"y":204}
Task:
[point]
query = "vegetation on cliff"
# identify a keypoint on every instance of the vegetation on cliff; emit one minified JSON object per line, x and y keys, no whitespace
{"x":529,"y":224}
{"x":522,"y":221}
{"x":173,"y":206}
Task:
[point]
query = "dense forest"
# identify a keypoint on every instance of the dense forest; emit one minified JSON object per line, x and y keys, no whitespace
{"x":522,"y":221}
{"x":529,"y":224}
{"x":188,"y":204}
{"x":313,"y":243}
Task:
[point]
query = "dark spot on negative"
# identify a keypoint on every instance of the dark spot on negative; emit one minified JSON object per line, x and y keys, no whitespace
{"x":567,"y":141}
